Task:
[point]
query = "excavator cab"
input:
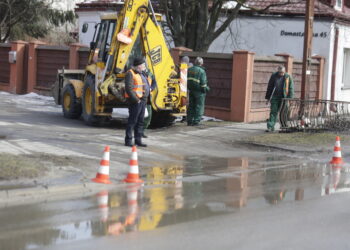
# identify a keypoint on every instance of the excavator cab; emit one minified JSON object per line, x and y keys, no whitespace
{"x":101,"y":43}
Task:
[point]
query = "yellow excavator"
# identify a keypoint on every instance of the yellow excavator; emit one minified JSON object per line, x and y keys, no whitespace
{"x":95,"y":91}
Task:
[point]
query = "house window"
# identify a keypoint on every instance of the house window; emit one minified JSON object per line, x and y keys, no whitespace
{"x":339,"y":4}
{"x":346,"y":69}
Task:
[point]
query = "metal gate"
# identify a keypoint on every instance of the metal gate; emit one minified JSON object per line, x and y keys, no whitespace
{"x":314,"y":115}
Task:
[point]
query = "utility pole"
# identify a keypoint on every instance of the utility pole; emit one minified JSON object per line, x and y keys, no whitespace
{"x":308,"y":34}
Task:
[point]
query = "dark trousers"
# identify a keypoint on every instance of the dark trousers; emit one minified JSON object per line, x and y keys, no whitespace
{"x":135,"y":122}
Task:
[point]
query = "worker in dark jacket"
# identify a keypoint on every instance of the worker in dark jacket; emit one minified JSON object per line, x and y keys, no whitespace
{"x":137,"y":88}
{"x":280,"y":86}
{"x":198,"y":87}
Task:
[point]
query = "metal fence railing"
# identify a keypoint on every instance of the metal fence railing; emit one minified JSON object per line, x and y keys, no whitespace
{"x":302,"y":115}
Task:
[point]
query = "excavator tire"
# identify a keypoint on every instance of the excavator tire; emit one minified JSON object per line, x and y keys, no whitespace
{"x":71,"y":105}
{"x":88,"y":103}
{"x":162,"y":119}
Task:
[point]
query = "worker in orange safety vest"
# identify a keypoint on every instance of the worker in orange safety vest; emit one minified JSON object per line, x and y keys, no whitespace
{"x":137,"y":91}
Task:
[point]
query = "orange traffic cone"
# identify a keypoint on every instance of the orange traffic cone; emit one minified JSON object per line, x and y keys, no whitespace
{"x":124,"y":36}
{"x":102,"y":175}
{"x":133,"y":175}
{"x":336,"y":160}
{"x":335,"y":177}
{"x":102,"y":200}
{"x":132,"y":205}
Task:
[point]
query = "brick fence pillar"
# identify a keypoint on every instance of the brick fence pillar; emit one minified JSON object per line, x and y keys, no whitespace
{"x":32,"y":65}
{"x":242,"y":83}
{"x":239,"y":185}
{"x":74,"y":55}
{"x":17,"y":85}
{"x":320,"y":72}
{"x":177,"y":52}
{"x":289,"y":62}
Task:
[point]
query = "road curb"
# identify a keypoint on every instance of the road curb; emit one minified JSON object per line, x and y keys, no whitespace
{"x":49,"y":193}
{"x":280,"y":147}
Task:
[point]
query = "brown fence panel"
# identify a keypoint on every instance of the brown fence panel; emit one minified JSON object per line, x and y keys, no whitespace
{"x":263,"y":68}
{"x":297,"y":77}
{"x":4,"y":64}
{"x":49,"y":60}
{"x":219,"y":74}
{"x":83,"y":57}
{"x":314,"y":80}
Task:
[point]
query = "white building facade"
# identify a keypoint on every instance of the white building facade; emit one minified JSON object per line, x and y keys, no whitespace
{"x":272,"y":34}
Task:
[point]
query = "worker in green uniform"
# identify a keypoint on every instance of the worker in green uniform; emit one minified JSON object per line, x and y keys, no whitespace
{"x":280,"y":86}
{"x":198,"y":87}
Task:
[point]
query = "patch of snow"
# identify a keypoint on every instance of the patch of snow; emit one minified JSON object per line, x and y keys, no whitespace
{"x":38,"y":97}
{"x":212,"y":119}
{"x":5,"y":124}
{"x":204,"y":119}
{"x":120,"y":113}
{"x":33,"y":101}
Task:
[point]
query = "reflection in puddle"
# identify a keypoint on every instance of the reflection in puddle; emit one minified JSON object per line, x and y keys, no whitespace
{"x":199,"y":188}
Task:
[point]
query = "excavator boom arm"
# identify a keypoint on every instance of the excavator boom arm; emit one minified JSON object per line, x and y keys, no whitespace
{"x":138,"y":20}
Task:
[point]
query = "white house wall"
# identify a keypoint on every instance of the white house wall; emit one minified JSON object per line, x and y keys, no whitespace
{"x":91,"y":18}
{"x":341,"y":93}
{"x":272,"y":35}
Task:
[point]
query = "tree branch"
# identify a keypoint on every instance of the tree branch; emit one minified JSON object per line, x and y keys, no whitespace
{"x":226,"y":23}
{"x":214,"y":16}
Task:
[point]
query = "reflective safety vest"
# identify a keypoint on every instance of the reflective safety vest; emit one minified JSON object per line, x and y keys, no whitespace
{"x":138,"y":84}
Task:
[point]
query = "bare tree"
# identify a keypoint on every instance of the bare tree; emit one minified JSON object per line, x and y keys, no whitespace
{"x":196,"y":24}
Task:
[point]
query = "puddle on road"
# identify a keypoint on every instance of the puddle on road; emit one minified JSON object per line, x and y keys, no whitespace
{"x":196,"y":189}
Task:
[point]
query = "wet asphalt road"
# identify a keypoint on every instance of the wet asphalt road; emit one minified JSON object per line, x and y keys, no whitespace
{"x":243,"y":205}
{"x":201,"y":191}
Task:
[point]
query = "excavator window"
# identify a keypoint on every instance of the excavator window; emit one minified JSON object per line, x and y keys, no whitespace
{"x":110,"y":33}
{"x":135,"y":52}
{"x":104,"y":38}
